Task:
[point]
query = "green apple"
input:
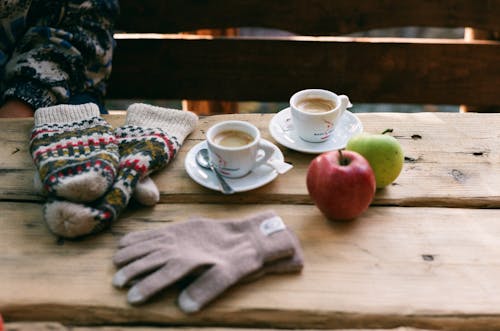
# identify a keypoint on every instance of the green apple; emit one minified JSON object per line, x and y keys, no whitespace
{"x":383,"y":152}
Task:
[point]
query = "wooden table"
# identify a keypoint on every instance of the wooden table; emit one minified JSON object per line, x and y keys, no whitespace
{"x":426,"y":255}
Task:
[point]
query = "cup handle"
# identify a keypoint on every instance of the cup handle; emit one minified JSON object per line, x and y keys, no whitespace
{"x":268,"y":149}
{"x":344,"y":104}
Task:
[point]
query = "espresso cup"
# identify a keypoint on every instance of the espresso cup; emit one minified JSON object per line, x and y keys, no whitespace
{"x":236,"y":147}
{"x":316,"y":112}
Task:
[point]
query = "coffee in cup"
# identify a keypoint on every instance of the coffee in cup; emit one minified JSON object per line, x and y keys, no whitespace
{"x":316,"y":112}
{"x":232,"y":138}
{"x":236,"y":147}
{"x":315,"y":105}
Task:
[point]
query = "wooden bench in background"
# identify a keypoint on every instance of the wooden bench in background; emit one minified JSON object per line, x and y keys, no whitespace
{"x":165,"y":64}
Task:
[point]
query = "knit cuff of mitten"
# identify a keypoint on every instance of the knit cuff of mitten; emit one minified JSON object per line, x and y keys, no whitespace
{"x":61,"y":114}
{"x":271,"y":238}
{"x":177,"y":123}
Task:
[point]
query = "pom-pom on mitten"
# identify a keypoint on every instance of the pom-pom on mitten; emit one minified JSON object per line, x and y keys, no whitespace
{"x":75,"y":151}
{"x":149,"y":140}
{"x":146,"y":192}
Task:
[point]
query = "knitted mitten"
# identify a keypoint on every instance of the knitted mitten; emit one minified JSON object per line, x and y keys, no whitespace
{"x":146,"y":192}
{"x":149,"y":140}
{"x":75,"y":151}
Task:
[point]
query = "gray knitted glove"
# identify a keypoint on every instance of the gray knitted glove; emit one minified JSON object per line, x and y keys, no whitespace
{"x":225,"y":251}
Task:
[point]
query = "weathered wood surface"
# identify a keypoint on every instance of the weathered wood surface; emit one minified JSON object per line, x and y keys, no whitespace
{"x":246,"y":69}
{"x":420,"y":266}
{"x":435,"y":268}
{"x":306,"y":16}
{"x":451,"y":160}
{"x":47,"y":326}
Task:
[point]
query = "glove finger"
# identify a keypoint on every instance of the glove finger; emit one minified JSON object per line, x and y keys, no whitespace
{"x":139,"y":267}
{"x":146,"y":192}
{"x":173,"y":271}
{"x":133,"y":252}
{"x":133,"y":238}
{"x":205,"y":288}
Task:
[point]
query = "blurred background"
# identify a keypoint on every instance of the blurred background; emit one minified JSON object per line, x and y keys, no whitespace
{"x":271,"y":107}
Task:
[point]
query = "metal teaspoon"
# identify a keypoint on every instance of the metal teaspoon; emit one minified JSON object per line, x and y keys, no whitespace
{"x":203,"y":161}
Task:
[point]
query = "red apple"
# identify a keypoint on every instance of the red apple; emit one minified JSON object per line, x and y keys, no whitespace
{"x":341,"y":184}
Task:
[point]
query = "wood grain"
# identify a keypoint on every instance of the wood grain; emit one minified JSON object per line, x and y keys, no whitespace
{"x":47,"y":326}
{"x":434,"y":268}
{"x":451,"y":160}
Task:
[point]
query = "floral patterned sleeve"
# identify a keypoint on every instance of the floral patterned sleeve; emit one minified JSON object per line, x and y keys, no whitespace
{"x":65,"y":50}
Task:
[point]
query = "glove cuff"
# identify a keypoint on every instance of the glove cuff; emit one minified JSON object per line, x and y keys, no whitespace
{"x":61,"y":114}
{"x":270,"y":236}
{"x":177,"y":123}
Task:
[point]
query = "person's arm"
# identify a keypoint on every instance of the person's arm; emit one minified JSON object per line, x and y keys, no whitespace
{"x":15,"y":108}
{"x":67,"y":50}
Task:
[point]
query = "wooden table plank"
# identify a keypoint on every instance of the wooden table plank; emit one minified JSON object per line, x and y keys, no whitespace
{"x":47,"y":326}
{"x":419,"y":267}
{"x":449,"y":159}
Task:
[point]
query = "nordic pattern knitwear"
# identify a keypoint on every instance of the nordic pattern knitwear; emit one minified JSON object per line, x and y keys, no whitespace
{"x":75,"y":151}
{"x":146,"y":192}
{"x":51,"y":51}
{"x":178,"y":123}
{"x":145,"y":145}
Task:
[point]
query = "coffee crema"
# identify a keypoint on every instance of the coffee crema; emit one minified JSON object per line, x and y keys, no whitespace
{"x":232,"y":138}
{"x":315,"y":105}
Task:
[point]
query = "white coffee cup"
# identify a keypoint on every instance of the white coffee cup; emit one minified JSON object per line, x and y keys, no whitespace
{"x":316,"y":112}
{"x":236,"y":147}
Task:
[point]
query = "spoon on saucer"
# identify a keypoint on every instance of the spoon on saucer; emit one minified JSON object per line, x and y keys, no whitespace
{"x":204,"y":161}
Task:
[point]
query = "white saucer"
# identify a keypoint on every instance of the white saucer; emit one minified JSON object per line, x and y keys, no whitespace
{"x":282,"y":131}
{"x":258,"y":177}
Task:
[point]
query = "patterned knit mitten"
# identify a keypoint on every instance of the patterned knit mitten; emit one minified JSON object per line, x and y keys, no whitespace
{"x":75,"y":151}
{"x":148,"y":141}
{"x":146,"y":192}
